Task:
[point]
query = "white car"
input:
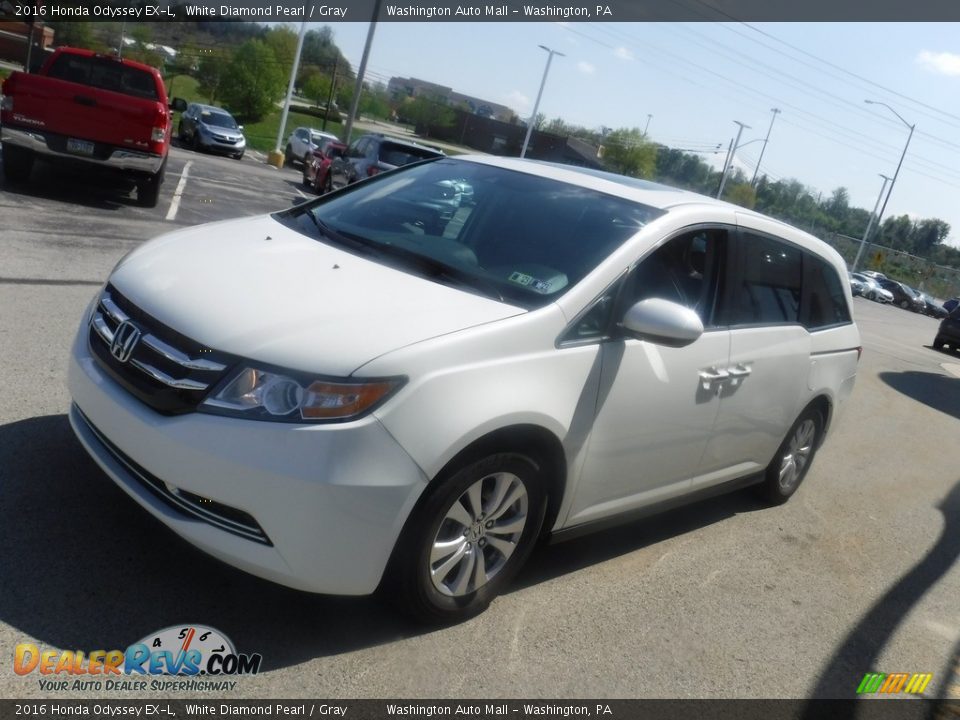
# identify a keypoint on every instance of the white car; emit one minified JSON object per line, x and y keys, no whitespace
{"x":379,"y":390}
{"x":871,"y":289}
{"x":302,"y":142}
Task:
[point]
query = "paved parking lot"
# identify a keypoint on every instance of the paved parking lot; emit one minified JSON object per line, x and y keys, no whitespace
{"x":721,"y":599}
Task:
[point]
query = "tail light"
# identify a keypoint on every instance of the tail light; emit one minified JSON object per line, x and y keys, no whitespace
{"x":6,"y":103}
{"x":158,"y":134}
{"x":372,"y":170}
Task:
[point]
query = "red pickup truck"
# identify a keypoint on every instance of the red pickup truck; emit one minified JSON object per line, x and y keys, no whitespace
{"x":92,"y":109}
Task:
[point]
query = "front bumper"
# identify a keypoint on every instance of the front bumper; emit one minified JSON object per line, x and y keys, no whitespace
{"x":330,"y":499}
{"x":48,"y":145}
{"x":213,"y":144}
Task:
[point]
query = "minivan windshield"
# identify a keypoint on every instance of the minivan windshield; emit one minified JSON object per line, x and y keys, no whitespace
{"x":508,"y":235}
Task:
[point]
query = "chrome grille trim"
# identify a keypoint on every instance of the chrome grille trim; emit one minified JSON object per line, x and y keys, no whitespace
{"x":160,"y":376}
{"x":174,"y":355}
{"x":107,"y":309}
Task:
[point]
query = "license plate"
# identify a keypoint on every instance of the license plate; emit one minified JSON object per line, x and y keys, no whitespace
{"x":80,"y":147}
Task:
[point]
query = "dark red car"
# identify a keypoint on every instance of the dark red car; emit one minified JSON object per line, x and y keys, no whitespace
{"x":316,"y":169}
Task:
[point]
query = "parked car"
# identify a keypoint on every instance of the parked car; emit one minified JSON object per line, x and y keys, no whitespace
{"x":316,"y":169}
{"x":372,"y":154}
{"x":407,"y":402}
{"x":856,"y":285}
{"x":949,"y":331}
{"x":303,"y":141}
{"x":874,"y":274}
{"x":89,"y":110}
{"x":932,"y":307}
{"x":951,"y":304}
{"x":212,"y":129}
{"x":871,"y":289}
{"x":903,"y":295}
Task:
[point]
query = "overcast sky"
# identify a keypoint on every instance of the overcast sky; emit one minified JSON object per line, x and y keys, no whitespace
{"x":696,"y":79}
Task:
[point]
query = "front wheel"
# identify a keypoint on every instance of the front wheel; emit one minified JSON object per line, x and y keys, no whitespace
{"x":905,"y":305}
{"x":467,"y":539}
{"x":793,"y":458}
{"x":938,"y":343}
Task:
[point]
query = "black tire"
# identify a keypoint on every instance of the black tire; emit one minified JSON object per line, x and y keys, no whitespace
{"x":905,"y":305}
{"x":328,"y":184}
{"x":288,"y":156}
{"x":17,"y":163}
{"x":180,"y":135}
{"x":938,"y":343}
{"x":238,"y":156}
{"x":305,"y":181}
{"x":411,"y":582}
{"x":148,"y":189}
{"x":805,"y":433}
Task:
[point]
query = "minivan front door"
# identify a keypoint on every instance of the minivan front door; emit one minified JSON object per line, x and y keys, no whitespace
{"x":656,"y":405}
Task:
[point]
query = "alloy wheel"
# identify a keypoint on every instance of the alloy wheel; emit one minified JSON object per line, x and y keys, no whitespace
{"x":795,"y":459}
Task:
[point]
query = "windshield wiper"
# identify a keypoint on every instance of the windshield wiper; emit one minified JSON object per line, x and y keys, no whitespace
{"x":437,"y":268}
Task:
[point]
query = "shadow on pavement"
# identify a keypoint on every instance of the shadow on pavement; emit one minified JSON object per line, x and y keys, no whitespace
{"x":941,"y":392}
{"x":86,"y":568}
{"x":857,"y":654}
{"x":88,"y":187}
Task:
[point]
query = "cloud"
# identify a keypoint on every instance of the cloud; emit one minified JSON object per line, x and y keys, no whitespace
{"x":623,"y":53}
{"x":585,"y":67}
{"x":519,"y":101}
{"x":944,"y":63}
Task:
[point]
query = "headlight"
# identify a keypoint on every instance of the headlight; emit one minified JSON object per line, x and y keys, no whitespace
{"x":287,"y":397}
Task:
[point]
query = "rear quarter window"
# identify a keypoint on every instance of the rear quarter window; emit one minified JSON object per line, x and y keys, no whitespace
{"x":403,"y":155}
{"x":824,"y":301}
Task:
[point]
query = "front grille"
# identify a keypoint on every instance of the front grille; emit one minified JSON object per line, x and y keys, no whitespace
{"x":166,"y":370}
{"x":186,"y":503}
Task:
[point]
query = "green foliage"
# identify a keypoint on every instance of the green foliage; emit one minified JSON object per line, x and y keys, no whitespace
{"x":741,"y":193}
{"x":428,"y":113}
{"x":75,"y":34}
{"x":627,"y":152}
{"x":262,"y":135}
{"x":212,"y":70}
{"x":375,"y":102}
{"x":254,"y":81}
{"x":314,"y":85}
{"x":283,"y":42}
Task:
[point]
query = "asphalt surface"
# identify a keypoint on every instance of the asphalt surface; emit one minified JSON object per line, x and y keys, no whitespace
{"x":722,"y":599}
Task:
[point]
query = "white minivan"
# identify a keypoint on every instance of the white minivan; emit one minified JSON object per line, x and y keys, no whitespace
{"x":404,"y":384}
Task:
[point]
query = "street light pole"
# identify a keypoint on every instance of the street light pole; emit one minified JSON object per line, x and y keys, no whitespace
{"x":536,"y":105}
{"x":775,"y":111}
{"x":733,"y":151}
{"x":873,"y":217}
{"x":276,"y":156}
{"x":647,"y":127}
{"x":902,"y":155}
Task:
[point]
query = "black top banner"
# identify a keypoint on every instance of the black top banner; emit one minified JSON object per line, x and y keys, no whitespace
{"x":332,"y":11}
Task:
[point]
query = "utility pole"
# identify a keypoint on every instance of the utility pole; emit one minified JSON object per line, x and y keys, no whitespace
{"x":358,"y":86}
{"x":276,"y":157}
{"x":647,"y":127}
{"x":333,"y":84}
{"x":730,"y":156}
{"x":775,"y":111}
{"x":873,"y":217}
{"x":536,"y":105}
{"x":902,"y":155}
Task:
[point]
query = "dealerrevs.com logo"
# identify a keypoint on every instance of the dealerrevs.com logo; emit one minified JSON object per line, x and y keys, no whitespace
{"x":185,"y":651}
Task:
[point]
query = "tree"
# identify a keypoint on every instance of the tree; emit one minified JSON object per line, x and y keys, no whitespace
{"x":626,"y":151}
{"x":254,"y":81}
{"x":213,"y":67}
{"x":283,"y":42}
{"x":428,"y":113}
{"x":927,"y":234}
{"x":741,"y":194}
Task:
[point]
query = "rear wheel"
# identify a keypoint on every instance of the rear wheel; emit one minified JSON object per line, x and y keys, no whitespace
{"x":938,"y":343}
{"x":793,"y":458}
{"x":17,"y":163}
{"x":467,"y":539}
{"x":905,"y":305}
{"x":148,"y":189}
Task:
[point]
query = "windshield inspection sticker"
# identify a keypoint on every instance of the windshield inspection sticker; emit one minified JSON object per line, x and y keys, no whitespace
{"x":540,"y":286}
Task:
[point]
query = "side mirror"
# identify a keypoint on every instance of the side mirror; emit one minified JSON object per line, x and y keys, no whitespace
{"x":178,"y":104}
{"x":662,"y":322}
{"x":240,"y":128}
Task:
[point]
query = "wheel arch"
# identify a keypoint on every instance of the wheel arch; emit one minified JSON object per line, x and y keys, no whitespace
{"x":823,"y":404}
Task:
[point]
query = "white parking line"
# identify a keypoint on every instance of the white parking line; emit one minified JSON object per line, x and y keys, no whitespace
{"x":302,"y":193}
{"x":175,"y":203}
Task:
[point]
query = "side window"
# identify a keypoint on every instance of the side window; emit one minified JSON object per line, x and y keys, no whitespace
{"x":767,"y":288}
{"x":684,"y":270}
{"x":824,"y":302}
{"x":357,"y":150}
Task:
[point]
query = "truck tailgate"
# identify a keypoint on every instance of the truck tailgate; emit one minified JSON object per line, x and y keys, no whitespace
{"x":84,"y":112}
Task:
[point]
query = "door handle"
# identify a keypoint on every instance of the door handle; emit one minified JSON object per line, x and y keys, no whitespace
{"x":740,"y":371}
{"x":712,"y":375}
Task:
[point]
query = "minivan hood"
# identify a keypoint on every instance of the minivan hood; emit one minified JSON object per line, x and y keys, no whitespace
{"x":258,"y":289}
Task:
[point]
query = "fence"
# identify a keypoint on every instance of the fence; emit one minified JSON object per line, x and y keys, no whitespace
{"x":937,"y":280}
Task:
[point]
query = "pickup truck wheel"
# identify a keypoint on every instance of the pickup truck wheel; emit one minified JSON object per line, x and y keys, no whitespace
{"x":148,"y":189}
{"x":17,"y":163}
